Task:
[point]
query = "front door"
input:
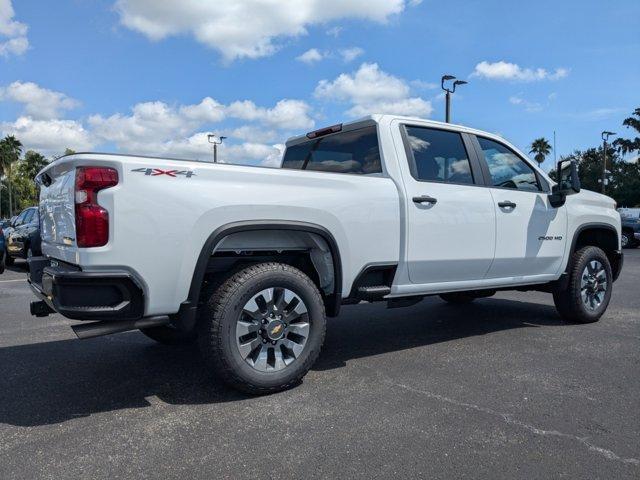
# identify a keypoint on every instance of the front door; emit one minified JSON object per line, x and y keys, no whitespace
{"x":450,"y":216}
{"x":530,"y":233}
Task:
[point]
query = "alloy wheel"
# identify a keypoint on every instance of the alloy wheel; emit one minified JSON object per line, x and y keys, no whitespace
{"x":273,"y":329}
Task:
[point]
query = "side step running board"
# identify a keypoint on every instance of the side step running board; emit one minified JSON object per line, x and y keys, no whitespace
{"x":373,"y":293}
{"x":107,"y":327}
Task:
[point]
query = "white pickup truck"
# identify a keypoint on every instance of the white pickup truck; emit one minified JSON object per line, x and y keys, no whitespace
{"x":249,"y":261}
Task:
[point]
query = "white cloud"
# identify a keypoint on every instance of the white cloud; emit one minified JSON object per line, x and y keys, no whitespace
{"x":39,"y":103}
{"x":286,"y":114}
{"x":245,"y":28}
{"x":156,"y":128}
{"x":371,"y":90}
{"x":528,"y":106}
{"x":311,"y":56}
{"x":511,"y":71}
{"x":334,"y":31}
{"x":49,"y":136}
{"x":350,"y":54}
{"x":254,"y":133}
{"x":208,"y":110}
{"x":16,"y":42}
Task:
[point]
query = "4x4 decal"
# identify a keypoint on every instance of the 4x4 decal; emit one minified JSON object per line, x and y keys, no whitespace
{"x":154,"y":172}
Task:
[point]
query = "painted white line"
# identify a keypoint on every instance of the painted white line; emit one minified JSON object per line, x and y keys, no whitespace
{"x":18,"y":280}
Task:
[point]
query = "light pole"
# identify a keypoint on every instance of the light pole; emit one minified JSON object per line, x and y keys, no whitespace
{"x":605,"y":136}
{"x":211,"y":138}
{"x":448,"y":93}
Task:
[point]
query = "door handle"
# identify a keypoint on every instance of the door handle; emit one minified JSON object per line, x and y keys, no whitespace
{"x":425,"y":199}
{"x":507,"y":204}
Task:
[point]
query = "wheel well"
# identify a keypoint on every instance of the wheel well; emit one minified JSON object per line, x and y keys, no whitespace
{"x":604,"y":237}
{"x":308,"y":247}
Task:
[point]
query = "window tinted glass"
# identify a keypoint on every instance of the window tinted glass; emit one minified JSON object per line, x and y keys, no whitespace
{"x":29,"y":216}
{"x":439,"y":155}
{"x":356,"y":151}
{"x":21,"y":218}
{"x":507,"y":169}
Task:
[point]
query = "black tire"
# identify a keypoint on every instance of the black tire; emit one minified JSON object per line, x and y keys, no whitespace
{"x":2,"y":260}
{"x":168,"y":335}
{"x":8,"y":259}
{"x":219,"y":316}
{"x":628,"y":240}
{"x":569,"y":302}
{"x":458,"y":298}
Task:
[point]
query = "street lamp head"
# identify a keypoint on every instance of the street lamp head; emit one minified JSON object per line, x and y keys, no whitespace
{"x":606,"y":134}
{"x":446,"y":78}
{"x":460,"y":82}
{"x":210,"y":138}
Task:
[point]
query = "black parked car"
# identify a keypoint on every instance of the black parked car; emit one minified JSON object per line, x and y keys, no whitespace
{"x":24,"y":239}
{"x":630,"y":229}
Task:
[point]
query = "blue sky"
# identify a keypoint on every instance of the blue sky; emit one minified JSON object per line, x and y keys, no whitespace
{"x":152,"y":77}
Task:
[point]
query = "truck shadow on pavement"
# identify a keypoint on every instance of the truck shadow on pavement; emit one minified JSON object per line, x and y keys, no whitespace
{"x":53,"y":382}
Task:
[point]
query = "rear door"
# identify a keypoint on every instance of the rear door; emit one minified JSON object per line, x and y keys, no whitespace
{"x":530,"y":233}
{"x":450,"y":214}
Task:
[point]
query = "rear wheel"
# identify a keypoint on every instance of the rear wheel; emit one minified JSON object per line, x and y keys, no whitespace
{"x":589,"y":290}
{"x":263,"y":328}
{"x":458,"y":298}
{"x":627,"y":240}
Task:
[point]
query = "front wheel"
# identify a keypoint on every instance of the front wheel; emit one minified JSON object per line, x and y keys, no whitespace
{"x":263,"y":328}
{"x":589,"y":290}
{"x":8,"y":259}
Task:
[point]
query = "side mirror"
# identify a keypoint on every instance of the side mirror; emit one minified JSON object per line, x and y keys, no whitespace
{"x":568,"y":182}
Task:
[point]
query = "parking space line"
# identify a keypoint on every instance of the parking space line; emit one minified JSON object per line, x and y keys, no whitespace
{"x":16,"y":280}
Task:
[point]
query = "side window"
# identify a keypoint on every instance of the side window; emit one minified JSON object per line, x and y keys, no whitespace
{"x":29,"y":216}
{"x":439,"y":155}
{"x":21,"y":218}
{"x":506,"y":168}
{"x":354,"y":151}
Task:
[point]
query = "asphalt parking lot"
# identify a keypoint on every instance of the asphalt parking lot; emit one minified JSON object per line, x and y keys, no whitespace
{"x":497,"y":389}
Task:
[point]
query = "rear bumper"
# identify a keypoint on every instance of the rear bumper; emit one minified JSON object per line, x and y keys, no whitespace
{"x":79,"y":295}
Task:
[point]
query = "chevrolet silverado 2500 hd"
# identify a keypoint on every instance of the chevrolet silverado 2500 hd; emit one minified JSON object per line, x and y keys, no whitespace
{"x":249,"y":261}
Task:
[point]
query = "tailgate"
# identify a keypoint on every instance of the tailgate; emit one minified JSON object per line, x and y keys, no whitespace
{"x":57,"y":215}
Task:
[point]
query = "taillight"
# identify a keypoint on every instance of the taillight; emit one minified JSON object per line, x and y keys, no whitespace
{"x":92,"y":221}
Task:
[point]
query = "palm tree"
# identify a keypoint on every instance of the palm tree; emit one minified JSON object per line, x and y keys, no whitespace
{"x":10,"y":150}
{"x":541,"y":148}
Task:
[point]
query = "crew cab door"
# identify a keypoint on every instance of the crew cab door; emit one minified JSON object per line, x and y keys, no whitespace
{"x":530,"y":233}
{"x":450,"y":233}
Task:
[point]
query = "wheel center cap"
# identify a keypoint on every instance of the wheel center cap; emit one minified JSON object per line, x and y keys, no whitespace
{"x":275,"y":329}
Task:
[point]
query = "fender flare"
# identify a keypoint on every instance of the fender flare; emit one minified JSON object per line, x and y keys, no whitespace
{"x":616,"y":261}
{"x":187,"y":314}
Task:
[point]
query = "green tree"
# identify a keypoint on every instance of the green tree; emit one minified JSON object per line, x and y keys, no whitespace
{"x":624,"y":177}
{"x":10,"y":150}
{"x":26,"y":171}
{"x":627,"y":145}
{"x":540,"y":147}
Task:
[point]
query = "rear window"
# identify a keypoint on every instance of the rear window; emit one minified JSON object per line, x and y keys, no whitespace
{"x":356,"y":151}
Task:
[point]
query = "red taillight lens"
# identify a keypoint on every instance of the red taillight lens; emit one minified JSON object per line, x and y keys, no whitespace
{"x":92,"y":221}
